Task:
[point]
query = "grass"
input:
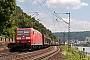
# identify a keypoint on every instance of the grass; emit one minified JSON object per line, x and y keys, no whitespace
{"x":73,"y":54}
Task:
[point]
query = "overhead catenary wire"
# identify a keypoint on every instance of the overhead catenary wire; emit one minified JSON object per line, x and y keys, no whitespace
{"x":48,"y":9}
{"x":29,"y":7}
{"x":34,"y":13}
{"x":47,"y":12}
{"x":59,"y":24}
{"x":54,"y":23}
{"x":60,"y":18}
{"x":44,"y":9}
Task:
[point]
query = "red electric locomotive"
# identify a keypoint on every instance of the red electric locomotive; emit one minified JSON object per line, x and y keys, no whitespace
{"x":29,"y":38}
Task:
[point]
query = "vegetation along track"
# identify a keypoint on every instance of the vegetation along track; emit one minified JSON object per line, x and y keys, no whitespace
{"x":43,"y":54}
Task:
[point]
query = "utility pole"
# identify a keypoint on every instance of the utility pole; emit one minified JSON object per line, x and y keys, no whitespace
{"x":64,"y":37}
{"x":66,"y":23}
{"x":69,"y":30}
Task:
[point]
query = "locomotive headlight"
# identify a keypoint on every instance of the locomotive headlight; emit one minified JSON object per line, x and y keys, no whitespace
{"x":17,"y":41}
{"x":28,"y":41}
{"x":27,"y":37}
{"x":18,"y":38}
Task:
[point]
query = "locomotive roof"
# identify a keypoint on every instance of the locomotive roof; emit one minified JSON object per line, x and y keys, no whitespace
{"x":28,"y":28}
{"x":22,"y":28}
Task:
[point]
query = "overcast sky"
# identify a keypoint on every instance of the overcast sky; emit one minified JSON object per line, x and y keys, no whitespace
{"x":78,"y":9}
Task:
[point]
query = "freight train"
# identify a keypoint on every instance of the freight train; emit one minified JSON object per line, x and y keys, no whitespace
{"x":30,"y":39}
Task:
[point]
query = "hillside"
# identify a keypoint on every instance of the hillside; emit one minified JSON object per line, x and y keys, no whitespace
{"x":73,"y":35}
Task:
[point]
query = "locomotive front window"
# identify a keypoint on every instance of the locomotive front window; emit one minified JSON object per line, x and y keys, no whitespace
{"x":26,"y":31}
{"x":20,"y":32}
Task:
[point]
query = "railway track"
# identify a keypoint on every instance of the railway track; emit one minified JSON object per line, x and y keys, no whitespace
{"x":43,"y":54}
{"x":46,"y":55}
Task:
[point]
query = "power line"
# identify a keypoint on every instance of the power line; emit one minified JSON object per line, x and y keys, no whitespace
{"x":46,"y":6}
{"x":59,"y":24}
{"x":47,"y":9}
{"x":34,"y":13}
{"x":29,"y":7}
{"x":44,"y":9}
{"x":60,"y":18}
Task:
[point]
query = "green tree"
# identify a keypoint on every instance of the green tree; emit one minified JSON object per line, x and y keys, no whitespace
{"x":7,"y":8}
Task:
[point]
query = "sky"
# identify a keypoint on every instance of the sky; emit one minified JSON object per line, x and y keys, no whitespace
{"x":50,"y":13}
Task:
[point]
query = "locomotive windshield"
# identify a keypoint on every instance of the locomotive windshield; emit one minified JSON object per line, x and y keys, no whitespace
{"x":20,"y":32}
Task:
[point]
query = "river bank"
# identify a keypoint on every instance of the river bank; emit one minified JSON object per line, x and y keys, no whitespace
{"x":73,"y":53}
{"x":86,"y":50}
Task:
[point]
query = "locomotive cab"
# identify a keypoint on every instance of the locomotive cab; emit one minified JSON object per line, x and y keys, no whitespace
{"x":22,"y":36}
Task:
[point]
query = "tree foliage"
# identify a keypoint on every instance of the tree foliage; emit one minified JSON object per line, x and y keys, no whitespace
{"x":7,"y":8}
